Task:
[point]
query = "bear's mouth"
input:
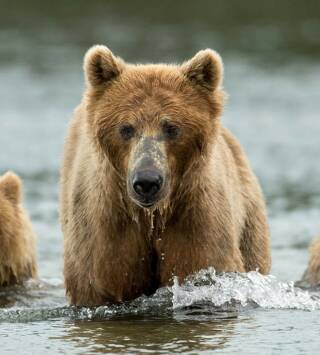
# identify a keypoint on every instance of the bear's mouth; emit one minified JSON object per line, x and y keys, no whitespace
{"x":146,"y":204}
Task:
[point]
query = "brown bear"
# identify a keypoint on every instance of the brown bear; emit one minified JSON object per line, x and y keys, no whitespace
{"x":17,"y":238}
{"x":152,"y":185}
{"x":311,"y":276}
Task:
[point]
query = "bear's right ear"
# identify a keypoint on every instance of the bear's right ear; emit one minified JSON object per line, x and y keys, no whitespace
{"x":11,"y":187}
{"x":101,"y":66}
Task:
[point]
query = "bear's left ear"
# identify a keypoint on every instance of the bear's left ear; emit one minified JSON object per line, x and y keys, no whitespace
{"x":101,"y":66}
{"x":11,"y":187}
{"x":204,"y":69}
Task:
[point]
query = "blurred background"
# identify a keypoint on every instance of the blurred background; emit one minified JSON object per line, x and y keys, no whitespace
{"x":271,"y":51}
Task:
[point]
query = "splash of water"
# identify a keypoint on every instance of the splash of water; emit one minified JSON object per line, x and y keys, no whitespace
{"x":242,"y":288}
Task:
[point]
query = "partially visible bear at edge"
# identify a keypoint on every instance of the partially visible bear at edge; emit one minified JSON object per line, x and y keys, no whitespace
{"x":311,"y":276}
{"x":152,"y":185}
{"x":17,"y":238}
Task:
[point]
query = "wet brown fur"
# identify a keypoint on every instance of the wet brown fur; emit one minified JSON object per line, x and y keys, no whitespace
{"x":17,"y":239}
{"x":214,"y":214}
{"x":312,"y":274}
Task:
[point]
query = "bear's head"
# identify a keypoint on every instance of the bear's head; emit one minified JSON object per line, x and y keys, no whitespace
{"x":10,"y":198}
{"x":155,"y":123}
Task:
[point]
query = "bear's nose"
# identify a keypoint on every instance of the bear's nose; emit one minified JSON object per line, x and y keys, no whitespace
{"x":147,"y":183}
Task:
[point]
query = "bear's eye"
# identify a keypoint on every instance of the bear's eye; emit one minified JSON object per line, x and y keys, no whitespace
{"x":170,"y":130}
{"x":127,"y":131}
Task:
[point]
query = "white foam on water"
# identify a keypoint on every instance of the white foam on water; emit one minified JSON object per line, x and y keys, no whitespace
{"x":245,"y":288}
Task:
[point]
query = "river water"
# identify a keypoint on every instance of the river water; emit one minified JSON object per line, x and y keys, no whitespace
{"x":272,"y":75}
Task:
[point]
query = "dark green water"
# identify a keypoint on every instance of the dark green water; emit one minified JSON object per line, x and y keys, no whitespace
{"x":271,"y":52}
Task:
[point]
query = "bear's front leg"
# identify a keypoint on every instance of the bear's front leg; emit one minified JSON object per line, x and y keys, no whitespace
{"x":112,"y":265}
{"x":255,"y":241}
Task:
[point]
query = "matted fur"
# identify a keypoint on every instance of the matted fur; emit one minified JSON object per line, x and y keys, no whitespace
{"x":214,"y":214}
{"x":17,"y":238}
{"x":312,"y":274}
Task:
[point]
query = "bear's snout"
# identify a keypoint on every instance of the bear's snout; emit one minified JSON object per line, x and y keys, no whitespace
{"x":147,"y":185}
{"x":148,"y":173}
